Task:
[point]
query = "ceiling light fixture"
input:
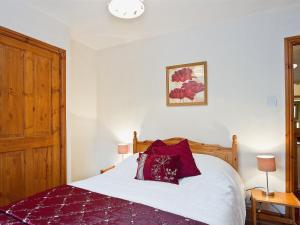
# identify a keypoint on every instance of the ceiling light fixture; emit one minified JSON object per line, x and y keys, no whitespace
{"x":126,"y":9}
{"x":295,"y":66}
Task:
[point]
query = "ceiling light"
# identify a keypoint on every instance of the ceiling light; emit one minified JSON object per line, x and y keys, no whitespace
{"x":126,"y":9}
{"x":295,"y":66}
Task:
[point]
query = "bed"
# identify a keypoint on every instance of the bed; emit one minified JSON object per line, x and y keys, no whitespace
{"x":215,"y":197}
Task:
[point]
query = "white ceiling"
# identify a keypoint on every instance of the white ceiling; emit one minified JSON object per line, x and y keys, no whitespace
{"x":90,"y":22}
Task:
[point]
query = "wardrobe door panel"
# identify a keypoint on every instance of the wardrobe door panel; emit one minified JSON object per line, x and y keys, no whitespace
{"x":12,"y":170}
{"x":43,"y":163}
{"x":38,"y":175}
{"x":11,"y":92}
{"x":38,"y":95}
{"x":31,"y":108}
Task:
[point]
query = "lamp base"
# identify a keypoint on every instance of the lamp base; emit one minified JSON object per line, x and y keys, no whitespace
{"x":270,"y":193}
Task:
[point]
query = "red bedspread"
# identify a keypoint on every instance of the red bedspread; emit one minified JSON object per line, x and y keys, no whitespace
{"x":72,"y":205}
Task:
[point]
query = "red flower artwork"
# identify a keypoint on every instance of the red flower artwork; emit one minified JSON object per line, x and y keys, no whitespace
{"x":177,"y":93}
{"x":187,"y":90}
{"x":193,"y":86}
{"x":182,"y":75}
{"x":187,"y":84}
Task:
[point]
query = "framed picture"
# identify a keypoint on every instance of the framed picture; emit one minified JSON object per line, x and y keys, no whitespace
{"x":187,"y":84}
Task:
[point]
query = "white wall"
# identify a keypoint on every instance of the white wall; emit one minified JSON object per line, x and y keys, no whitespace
{"x":18,"y":17}
{"x":83,"y":112}
{"x":245,"y":73}
{"x":245,"y":90}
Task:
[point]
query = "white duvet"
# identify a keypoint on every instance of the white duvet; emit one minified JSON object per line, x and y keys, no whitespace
{"x":215,"y":197}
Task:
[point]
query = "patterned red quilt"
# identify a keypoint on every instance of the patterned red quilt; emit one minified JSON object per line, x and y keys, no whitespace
{"x":72,"y":205}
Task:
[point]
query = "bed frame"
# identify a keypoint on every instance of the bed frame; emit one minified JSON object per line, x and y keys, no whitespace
{"x":229,"y":155}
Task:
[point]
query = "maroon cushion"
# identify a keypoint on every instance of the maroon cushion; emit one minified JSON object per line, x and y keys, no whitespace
{"x":158,"y":168}
{"x":187,"y":165}
{"x":156,"y":143}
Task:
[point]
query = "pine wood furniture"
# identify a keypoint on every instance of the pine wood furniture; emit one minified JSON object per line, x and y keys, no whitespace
{"x":279,"y":198}
{"x":229,"y":155}
{"x":32,"y":116}
{"x":291,"y":153}
{"x":107,"y":169}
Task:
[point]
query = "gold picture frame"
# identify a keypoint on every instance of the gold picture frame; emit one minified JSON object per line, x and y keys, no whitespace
{"x":186,"y":84}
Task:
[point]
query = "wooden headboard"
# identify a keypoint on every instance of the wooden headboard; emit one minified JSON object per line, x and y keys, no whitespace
{"x":227,"y":154}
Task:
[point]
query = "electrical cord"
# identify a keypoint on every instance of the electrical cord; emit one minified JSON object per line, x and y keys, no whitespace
{"x":249,"y":189}
{"x":260,"y":204}
{"x":274,"y":207}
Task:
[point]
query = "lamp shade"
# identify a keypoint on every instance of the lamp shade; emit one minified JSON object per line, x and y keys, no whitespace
{"x":266,"y":163}
{"x":123,"y":148}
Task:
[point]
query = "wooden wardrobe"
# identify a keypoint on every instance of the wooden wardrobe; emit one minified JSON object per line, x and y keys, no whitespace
{"x":32,"y":116}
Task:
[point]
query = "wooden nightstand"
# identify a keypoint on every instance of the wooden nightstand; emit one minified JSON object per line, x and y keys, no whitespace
{"x":107,"y":169}
{"x":279,"y":198}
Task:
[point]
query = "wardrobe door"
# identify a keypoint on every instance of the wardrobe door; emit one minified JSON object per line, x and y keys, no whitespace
{"x":30,"y":120}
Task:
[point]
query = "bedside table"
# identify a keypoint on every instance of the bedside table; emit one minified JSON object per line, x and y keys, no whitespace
{"x":107,"y":169}
{"x":279,"y":198}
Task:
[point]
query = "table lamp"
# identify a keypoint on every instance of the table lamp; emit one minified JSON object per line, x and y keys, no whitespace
{"x":266,"y":163}
{"x":123,"y":149}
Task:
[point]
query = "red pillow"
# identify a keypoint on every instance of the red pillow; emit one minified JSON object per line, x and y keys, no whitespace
{"x":187,"y":165}
{"x":156,"y":143}
{"x":158,"y":168}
